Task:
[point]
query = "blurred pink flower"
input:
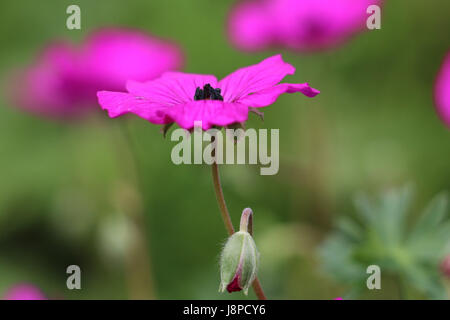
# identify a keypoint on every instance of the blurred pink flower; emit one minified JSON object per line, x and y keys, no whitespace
{"x":24,"y":292}
{"x":184,"y":98}
{"x":302,"y":25}
{"x":442,"y":91}
{"x":64,"y":79}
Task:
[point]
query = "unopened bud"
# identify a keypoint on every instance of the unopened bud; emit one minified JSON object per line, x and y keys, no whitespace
{"x":239,"y":259}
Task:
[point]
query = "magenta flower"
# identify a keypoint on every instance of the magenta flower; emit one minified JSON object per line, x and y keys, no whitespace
{"x":442,"y":92}
{"x":64,"y":80}
{"x":24,"y":292}
{"x":301,"y":25}
{"x":184,"y":98}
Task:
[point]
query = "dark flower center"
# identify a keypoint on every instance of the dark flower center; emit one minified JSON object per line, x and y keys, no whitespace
{"x":207,"y":93}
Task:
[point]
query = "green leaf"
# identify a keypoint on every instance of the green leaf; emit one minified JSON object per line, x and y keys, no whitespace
{"x":350,"y":228}
{"x":432,"y":217}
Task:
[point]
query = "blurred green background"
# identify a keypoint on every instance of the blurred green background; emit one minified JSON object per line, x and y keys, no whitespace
{"x":372,"y":127}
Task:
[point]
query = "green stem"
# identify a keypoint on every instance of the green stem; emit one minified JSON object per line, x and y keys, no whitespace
{"x":221,"y":200}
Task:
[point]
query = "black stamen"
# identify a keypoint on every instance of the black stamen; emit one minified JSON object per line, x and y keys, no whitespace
{"x":208,"y":93}
{"x":198,"y":94}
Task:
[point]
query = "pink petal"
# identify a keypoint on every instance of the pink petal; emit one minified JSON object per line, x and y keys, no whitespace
{"x":64,"y":80}
{"x":318,"y":24}
{"x":45,"y":88}
{"x":118,"y":103}
{"x":442,"y":92}
{"x":254,"y":78}
{"x":302,"y":25}
{"x":210,"y":112}
{"x":172,"y":87}
{"x":248,"y":26}
{"x":268,"y":96}
{"x":170,"y":98}
{"x":24,"y":292}
{"x":113,"y":56}
{"x":234,"y":285}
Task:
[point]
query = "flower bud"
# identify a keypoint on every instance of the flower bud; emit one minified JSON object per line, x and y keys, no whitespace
{"x":239,"y":259}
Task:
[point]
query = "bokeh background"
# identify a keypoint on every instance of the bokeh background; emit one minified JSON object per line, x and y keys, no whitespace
{"x":66,"y":187}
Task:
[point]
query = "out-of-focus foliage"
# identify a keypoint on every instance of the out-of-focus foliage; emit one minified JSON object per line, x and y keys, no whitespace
{"x":380,"y":235}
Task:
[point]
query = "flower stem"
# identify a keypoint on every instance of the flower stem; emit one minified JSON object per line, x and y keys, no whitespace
{"x":247,"y":221}
{"x":258,"y":289}
{"x":221,"y":200}
{"x":227,"y":221}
